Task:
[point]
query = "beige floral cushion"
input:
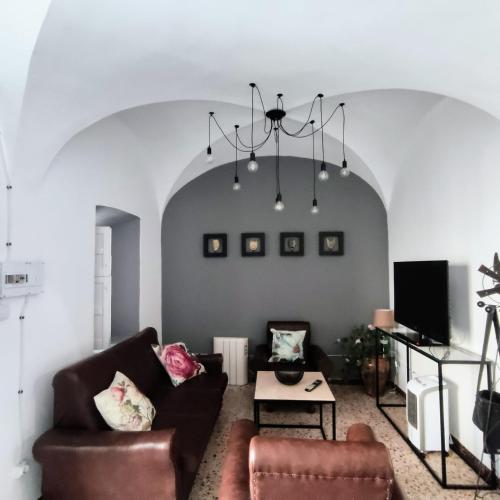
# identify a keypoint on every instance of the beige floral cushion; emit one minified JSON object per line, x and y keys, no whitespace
{"x":124,"y":407}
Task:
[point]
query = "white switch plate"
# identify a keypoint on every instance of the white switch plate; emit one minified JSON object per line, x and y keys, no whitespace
{"x":4,"y":311}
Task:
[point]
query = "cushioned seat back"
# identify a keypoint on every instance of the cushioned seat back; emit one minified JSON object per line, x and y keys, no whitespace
{"x":76,"y":385}
{"x":292,"y":326}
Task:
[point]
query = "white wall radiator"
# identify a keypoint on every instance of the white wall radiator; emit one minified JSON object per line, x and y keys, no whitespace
{"x":235,"y":353}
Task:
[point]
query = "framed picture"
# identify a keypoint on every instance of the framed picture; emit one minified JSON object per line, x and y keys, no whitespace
{"x":291,"y":244}
{"x":215,"y":245}
{"x":331,"y":243}
{"x":253,"y":244}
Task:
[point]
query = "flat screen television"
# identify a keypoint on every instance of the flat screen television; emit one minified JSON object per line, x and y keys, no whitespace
{"x":421,"y":299}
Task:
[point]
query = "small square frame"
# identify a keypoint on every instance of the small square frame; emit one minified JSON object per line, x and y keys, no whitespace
{"x":246,"y":252}
{"x":207,"y":238}
{"x":285,"y":251}
{"x":337,"y":249}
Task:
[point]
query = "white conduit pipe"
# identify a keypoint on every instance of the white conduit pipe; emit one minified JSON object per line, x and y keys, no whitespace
{"x":8,"y":200}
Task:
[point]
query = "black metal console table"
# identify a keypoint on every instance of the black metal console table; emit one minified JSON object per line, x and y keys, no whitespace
{"x":441,"y":355}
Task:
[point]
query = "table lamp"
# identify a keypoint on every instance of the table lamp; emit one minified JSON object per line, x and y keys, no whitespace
{"x":383,"y":318}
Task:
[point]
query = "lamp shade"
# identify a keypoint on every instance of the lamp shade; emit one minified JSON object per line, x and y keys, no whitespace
{"x":383,"y":318}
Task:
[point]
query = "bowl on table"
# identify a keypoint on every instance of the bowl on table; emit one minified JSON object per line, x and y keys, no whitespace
{"x":288,"y":377}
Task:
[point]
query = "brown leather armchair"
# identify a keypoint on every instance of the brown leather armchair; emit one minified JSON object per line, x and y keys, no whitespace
{"x":315,"y":358}
{"x":272,"y":468}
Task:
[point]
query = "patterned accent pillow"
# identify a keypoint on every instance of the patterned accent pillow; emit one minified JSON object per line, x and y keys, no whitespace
{"x":124,"y":407}
{"x":287,"y":346}
{"x":178,"y":362}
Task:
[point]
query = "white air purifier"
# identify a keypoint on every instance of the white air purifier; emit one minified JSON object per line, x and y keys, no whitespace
{"x":422,"y":412}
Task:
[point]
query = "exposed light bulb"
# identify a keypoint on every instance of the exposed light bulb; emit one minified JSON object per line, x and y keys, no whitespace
{"x":315,"y":208}
{"x":236,"y":184}
{"x":323,"y":173}
{"x":279,"y":205}
{"x":210,"y":158}
{"x":252,"y":166}
{"x":344,"y":171}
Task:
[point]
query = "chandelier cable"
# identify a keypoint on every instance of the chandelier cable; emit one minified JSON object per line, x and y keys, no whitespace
{"x":263,"y":111}
{"x":343,"y":130}
{"x":277,"y":164}
{"x":322,"y":134}
{"x":247,"y":150}
{"x":210,"y":117}
{"x":313,"y":160}
{"x":253,"y":88}
{"x":236,"y":154}
{"x":297,"y":132}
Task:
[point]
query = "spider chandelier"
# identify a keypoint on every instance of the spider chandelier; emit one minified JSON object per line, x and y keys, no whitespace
{"x":273,"y":127}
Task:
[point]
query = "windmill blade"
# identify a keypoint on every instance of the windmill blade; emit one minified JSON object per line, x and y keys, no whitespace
{"x":489,"y":291}
{"x":492,"y":274}
{"x":496,"y":263}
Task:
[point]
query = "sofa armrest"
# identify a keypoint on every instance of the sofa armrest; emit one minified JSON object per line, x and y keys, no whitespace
{"x":211,"y":362}
{"x":360,"y":433}
{"x":234,"y":482}
{"x":84,"y":465}
{"x":307,"y":468}
{"x":320,"y":360}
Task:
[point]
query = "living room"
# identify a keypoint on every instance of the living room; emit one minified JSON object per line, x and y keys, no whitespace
{"x":106,"y":105}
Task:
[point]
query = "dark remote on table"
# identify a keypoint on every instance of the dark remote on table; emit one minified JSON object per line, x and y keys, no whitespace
{"x":313,"y":385}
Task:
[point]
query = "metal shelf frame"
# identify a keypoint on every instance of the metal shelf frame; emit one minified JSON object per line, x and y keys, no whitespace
{"x":443,"y":480}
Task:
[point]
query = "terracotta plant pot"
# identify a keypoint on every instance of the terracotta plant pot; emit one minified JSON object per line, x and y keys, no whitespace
{"x":368,"y":375}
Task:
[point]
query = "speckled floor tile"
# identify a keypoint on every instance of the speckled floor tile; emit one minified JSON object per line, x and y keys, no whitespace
{"x":353,"y":405}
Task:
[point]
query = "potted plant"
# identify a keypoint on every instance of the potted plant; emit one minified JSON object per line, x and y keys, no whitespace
{"x":359,"y":355}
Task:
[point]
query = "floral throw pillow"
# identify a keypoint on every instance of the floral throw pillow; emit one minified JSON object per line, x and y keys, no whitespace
{"x":178,"y":362}
{"x":287,"y":346}
{"x":124,"y":407}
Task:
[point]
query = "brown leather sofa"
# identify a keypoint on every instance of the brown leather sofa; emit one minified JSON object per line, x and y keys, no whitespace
{"x":82,"y":459}
{"x":315,"y":358}
{"x":272,"y":468}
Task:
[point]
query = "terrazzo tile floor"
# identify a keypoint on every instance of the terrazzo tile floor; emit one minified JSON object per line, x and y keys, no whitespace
{"x":353,"y":405}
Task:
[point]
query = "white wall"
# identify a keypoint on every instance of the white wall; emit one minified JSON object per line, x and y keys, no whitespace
{"x":54,"y":220}
{"x":446,"y":205}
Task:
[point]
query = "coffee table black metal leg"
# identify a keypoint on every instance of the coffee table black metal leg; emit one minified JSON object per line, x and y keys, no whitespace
{"x":256,"y":414}
{"x":321,"y":420}
{"x":334,"y":423}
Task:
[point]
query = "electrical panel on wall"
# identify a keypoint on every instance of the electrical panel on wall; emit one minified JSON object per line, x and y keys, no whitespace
{"x":20,"y":278}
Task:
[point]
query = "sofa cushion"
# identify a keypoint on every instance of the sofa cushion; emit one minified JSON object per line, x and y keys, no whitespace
{"x":124,"y":407}
{"x":292,"y":326}
{"x":76,"y":385}
{"x":178,"y":362}
{"x":287,"y":346}
{"x":203,"y":398}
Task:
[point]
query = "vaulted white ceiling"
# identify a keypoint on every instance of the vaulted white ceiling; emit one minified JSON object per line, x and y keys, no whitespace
{"x":67,"y":64}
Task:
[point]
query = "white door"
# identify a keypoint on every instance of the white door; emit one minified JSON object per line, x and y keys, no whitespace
{"x":103,"y":251}
{"x":102,"y":288}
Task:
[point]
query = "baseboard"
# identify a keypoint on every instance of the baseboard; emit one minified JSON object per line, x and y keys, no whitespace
{"x":474,"y":463}
{"x":341,"y":381}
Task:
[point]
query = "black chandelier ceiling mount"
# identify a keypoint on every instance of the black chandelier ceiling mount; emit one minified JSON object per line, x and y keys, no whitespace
{"x":273,"y":126}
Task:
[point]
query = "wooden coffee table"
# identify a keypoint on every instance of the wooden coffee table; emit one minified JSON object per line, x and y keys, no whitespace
{"x":269,"y":390}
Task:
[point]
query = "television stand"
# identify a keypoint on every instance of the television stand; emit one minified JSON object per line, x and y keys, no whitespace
{"x":442,"y":356}
{"x":415,"y":338}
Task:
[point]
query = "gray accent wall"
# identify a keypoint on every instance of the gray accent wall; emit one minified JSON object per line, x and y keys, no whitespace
{"x":236,"y":296}
{"x":125,"y":250}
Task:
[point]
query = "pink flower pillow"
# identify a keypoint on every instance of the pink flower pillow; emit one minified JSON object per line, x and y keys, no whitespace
{"x":178,"y":363}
